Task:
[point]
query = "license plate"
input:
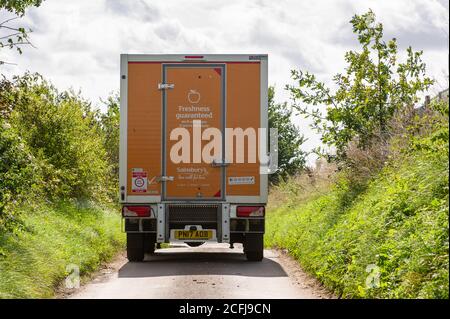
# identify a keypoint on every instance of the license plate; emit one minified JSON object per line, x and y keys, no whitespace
{"x":193,"y":234}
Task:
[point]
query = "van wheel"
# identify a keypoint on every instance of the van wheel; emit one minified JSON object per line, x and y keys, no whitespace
{"x":135,"y":247}
{"x":254,"y":247}
{"x":254,"y":255}
{"x":149,"y":243}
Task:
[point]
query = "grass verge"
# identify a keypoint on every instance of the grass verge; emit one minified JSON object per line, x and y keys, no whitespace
{"x":388,"y":240}
{"x":35,"y":260}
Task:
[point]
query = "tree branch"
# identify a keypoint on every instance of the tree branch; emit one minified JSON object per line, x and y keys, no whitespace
{"x":9,"y":28}
{"x":9,"y":63}
{"x":10,"y":35}
{"x":8,"y":20}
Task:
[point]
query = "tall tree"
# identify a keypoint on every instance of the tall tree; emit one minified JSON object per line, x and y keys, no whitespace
{"x":291,"y":159}
{"x":370,"y":91}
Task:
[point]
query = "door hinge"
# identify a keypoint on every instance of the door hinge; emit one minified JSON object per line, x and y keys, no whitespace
{"x":165,"y":86}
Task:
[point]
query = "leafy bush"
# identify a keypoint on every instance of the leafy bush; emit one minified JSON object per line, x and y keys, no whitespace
{"x":61,"y":130}
{"x":110,"y":124}
{"x":20,"y":175}
{"x":54,"y":164}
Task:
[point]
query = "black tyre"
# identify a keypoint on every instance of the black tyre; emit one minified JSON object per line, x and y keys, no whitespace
{"x":135,"y":247}
{"x":194,"y":244}
{"x":254,"y":255}
{"x":254,"y":247}
{"x":149,"y":243}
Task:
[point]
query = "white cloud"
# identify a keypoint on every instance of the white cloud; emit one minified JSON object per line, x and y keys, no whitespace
{"x":79,"y":42}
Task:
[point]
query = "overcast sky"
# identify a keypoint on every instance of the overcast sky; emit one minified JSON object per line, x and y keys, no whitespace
{"x":78,"y":42}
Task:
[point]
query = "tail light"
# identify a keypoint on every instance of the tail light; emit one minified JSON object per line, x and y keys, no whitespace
{"x":250,"y":211}
{"x":136,"y":211}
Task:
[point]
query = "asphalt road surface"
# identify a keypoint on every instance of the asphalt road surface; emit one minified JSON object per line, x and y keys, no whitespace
{"x":208,"y":271}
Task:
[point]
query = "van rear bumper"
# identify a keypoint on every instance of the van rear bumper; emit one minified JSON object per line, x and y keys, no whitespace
{"x":220,"y":217}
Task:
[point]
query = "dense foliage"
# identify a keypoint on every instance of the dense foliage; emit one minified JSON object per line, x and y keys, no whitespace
{"x":18,"y":6}
{"x":20,"y":175}
{"x":291,"y":158}
{"x":379,"y":228}
{"x":110,"y":123}
{"x":53,"y":143}
{"x":387,"y":240}
{"x":58,"y":166}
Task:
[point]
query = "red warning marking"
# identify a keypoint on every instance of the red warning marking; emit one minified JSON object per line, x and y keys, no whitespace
{"x":218,"y":194}
{"x":218,"y":70}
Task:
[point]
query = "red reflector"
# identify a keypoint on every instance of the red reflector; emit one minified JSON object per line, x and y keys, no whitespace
{"x":250,"y":211}
{"x":136,"y":211}
{"x":193,"y":56}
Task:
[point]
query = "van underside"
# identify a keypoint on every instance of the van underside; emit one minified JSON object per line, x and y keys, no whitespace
{"x":148,"y":225}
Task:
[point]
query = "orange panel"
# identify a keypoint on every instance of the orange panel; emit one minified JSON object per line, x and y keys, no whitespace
{"x":197,"y":95}
{"x":243,"y":110}
{"x":144,"y":124}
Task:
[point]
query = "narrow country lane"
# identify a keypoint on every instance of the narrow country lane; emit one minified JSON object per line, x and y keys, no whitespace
{"x":209,"y":271}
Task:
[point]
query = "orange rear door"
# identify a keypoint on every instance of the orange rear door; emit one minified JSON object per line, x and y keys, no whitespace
{"x":196,"y":93}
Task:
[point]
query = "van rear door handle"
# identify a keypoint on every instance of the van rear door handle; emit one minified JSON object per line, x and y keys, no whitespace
{"x":216,"y":163}
{"x":165,"y":179}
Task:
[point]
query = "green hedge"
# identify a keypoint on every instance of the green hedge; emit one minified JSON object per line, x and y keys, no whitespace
{"x":396,"y":229}
{"x":55,"y":150}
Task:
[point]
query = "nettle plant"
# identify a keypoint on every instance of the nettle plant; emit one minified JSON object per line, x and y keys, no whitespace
{"x":372,"y":89}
